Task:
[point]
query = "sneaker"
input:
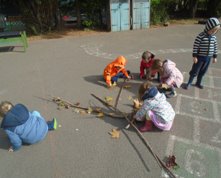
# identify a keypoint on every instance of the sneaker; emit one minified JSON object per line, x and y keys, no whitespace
{"x":114,"y":84}
{"x":186,"y":86}
{"x":55,"y":125}
{"x":171,"y":95}
{"x":199,"y":86}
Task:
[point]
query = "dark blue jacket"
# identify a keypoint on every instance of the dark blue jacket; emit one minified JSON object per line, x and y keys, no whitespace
{"x":23,"y":126}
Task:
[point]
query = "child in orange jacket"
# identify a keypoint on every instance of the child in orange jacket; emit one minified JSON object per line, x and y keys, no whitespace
{"x":115,"y":70}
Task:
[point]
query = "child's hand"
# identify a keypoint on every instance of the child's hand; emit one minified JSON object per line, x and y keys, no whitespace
{"x":214,"y":60}
{"x":195,"y":60}
{"x":164,"y":86}
{"x":136,"y":104}
{"x":109,"y":84}
{"x":10,"y":149}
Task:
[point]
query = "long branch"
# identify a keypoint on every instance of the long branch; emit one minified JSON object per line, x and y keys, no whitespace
{"x":146,"y":143}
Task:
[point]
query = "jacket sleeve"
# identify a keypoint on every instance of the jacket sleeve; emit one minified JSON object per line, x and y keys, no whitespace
{"x":171,"y":77}
{"x":215,"y":49}
{"x":196,"y":45}
{"x":124,"y":71}
{"x":141,"y":69}
{"x":107,"y":74}
{"x":14,"y":140}
{"x":141,"y":113}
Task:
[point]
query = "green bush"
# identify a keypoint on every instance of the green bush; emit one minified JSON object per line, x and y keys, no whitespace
{"x":159,"y":11}
{"x":87,"y":23}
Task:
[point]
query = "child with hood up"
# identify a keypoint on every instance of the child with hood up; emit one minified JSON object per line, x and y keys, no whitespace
{"x":115,"y":70}
{"x":154,"y":110}
{"x":204,"y":48}
{"x":23,"y":126}
{"x":170,"y":76}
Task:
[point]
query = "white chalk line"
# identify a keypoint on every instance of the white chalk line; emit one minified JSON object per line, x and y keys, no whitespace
{"x":94,"y":50}
{"x":170,"y":150}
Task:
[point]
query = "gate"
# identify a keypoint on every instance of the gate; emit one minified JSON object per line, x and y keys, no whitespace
{"x":140,"y":14}
{"x":120,"y":15}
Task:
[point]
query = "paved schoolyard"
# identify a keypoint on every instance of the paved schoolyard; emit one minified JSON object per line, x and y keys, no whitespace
{"x":71,"y":68}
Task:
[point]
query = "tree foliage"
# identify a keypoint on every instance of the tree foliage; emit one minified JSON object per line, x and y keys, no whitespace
{"x":41,"y":16}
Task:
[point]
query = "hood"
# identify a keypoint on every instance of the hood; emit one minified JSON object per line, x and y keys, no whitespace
{"x":150,"y":93}
{"x":211,"y":23}
{"x":18,"y":115}
{"x":120,"y":61}
{"x":170,"y":63}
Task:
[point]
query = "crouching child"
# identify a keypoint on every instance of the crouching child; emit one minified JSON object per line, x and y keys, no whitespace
{"x":116,"y":70}
{"x":155,"y":110}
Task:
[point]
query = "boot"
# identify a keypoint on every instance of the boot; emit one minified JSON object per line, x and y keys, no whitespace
{"x":147,"y":126}
{"x":198,"y":82}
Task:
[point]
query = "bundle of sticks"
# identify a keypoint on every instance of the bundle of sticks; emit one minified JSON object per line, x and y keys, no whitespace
{"x":115,"y":113}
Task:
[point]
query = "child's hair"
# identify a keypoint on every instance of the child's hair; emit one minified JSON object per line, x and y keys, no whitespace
{"x":5,"y":106}
{"x":147,"y":54}
{"x":157,"y":64}
{"x":143,"y":87}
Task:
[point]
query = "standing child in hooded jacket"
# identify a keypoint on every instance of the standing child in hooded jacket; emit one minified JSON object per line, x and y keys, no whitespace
{"x":204,"y":48}
{"x":23,"y":126}
{"x":154,"y":110}
{"x":115,"y":70}
{"x":170,"y":75}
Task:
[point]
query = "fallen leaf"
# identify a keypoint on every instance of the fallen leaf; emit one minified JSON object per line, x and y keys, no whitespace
{"x":130,"y":98}
{"x":171,"y":162}
{"x":67,"y":106}
{"x":108,"y":99}
{"x":98,"y":109}
{"x":76,"y":110}
{"x":77,"y":104}
{"x":127,"y":86}
{"x":115,"y":133}
{"x":82,"y":112}
{"x":100,"y":114}
{"x":59,"y":125}
{"x":89,"y":110}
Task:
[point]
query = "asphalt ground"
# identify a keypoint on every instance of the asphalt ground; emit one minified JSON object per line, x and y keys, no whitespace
{"x":81,"y":147}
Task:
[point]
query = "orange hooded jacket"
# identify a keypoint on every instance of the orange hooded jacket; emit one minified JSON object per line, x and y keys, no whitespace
{"x":112,"y":69}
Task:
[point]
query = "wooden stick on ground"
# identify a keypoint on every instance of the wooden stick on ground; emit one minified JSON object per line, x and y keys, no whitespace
{"x":119,"y":93}
{"x":146,"y":143}
{"x":95,"y":109}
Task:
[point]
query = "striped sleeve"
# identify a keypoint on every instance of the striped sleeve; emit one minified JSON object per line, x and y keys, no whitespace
{"x":197,"y":44}
{"x":215,"y":48}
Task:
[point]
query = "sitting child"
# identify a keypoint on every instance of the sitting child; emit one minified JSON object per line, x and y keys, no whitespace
{"x":154,"y":110}
{"x":115,"y":70}
{"x":170,"y":76}
{"x":23,"y":126}
{"x":145,"y":66}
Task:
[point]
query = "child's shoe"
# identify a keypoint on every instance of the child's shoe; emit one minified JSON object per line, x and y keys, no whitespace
{"x":114,"y":84}
{"x":148,"y":125}
{"x":186,"y":86}
{"x":172,"y":94}
{"x":199,"y":86}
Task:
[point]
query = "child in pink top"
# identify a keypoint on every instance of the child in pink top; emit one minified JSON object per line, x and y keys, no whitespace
{"x":170,"y":75}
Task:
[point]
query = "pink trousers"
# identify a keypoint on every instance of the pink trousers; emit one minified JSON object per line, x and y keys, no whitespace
{"x":158,"y":122}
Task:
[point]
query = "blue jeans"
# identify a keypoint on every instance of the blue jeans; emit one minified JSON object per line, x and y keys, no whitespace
{"x":116,"y":77}
{"x":199,"y":69}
